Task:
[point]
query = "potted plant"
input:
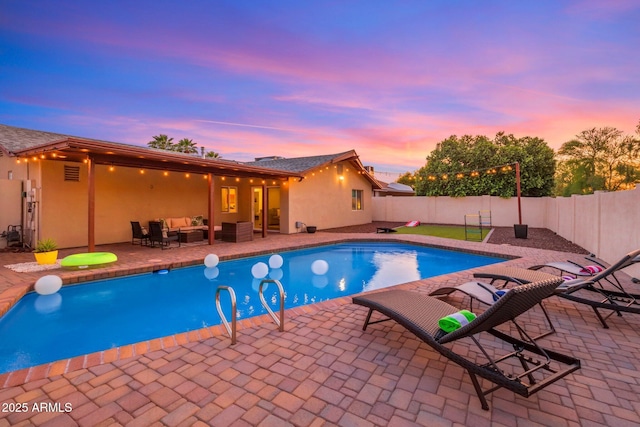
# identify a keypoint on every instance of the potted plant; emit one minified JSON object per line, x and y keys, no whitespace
{"x":46,"y":251}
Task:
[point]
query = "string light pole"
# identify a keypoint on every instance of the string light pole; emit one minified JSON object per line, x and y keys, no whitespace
{"x":518,"y":192}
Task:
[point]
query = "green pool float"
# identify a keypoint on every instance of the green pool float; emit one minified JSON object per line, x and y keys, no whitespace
{"x":88,"y":260}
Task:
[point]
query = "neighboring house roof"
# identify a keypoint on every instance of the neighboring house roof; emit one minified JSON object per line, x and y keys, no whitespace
{"x":395,"y":189}
{"x":19,"y":142}
{"x":301,"y":165}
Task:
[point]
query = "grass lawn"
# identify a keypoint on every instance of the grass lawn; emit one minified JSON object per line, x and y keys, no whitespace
{"x":447,"y":231}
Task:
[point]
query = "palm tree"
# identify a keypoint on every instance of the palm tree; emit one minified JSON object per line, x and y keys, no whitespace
{"x":213,"y":155}
{"x":185,"y":145}
{"x":162,"y":142}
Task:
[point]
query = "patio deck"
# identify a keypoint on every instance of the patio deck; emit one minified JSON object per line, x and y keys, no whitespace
{"x":323,"y":370}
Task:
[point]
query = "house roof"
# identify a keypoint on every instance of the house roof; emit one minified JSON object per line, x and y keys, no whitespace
{"x":302,"y":165}
{"x":395,"y":189}
{"x":27,"y":143}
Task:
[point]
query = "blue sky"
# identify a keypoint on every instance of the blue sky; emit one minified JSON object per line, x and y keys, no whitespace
{"x":291,"y":78}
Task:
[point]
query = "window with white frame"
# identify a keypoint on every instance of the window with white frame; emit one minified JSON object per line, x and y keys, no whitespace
{"x":229,"y":199}
{"x":356,"y":200}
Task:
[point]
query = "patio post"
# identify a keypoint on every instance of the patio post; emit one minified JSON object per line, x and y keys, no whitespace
{"x":518,"y":192}
{"x":91,"y":220}
{"x":264,"y":210}
{"x":210,"y":209}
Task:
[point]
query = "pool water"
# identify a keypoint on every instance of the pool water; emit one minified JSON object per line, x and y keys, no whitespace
{"x":94,"y":316}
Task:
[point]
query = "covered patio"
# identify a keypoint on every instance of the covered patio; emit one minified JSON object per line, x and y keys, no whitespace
{"x":93,"y":154}
{"x":323,"y":368}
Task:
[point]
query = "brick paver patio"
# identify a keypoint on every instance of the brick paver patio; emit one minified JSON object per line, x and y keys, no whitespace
{"x":323,"y":370}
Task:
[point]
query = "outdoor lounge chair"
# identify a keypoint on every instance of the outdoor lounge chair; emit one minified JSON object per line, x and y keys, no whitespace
{"x":488,"y":294}
{"x":137,"y":233}
{"x":591,"y":267}
{"x":156,"y":234}
{"x":537,"y":367}
{"x":603,"y":290}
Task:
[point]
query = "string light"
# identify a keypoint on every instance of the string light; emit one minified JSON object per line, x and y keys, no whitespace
{"x":474,"y":174}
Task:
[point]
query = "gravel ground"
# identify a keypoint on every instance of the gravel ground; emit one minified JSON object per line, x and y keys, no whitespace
{"x":540,"y":238}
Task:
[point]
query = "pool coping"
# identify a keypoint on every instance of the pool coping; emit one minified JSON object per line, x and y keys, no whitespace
{"x":47,"y":370}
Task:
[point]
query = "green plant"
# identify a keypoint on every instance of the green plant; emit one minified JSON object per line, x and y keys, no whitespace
{"x":46,"y":245}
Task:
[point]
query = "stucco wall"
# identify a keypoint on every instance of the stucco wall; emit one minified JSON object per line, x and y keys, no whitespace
{"x":452,"y":210}
{"x":324,"y":201}
{"x":11,"y":211}
{"x":19,"y":171}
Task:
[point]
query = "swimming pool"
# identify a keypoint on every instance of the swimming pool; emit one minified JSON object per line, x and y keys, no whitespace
{"x":94,"y":316}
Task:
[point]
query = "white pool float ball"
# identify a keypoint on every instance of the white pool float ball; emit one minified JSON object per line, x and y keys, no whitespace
{"x":320,"y":267}
{"x":259,"y":270}
{"x":275,"y":261}
{"x":211,"y":260}
{"x":47,"y":285}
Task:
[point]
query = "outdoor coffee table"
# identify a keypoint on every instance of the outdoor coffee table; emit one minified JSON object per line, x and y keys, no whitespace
{"x":191,"y":236}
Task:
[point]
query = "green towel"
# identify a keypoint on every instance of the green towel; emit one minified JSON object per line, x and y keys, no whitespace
{"x":456,"y":320}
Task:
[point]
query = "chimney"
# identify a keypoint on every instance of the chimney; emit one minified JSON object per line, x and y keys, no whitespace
{"x":370,"y":170}
{"x":202,"y":152}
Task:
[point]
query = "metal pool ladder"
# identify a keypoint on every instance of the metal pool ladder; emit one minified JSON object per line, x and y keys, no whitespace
{"x":231,"y":328}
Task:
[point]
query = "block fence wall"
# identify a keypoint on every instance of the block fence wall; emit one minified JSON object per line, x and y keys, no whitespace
{"x":606,"y":224}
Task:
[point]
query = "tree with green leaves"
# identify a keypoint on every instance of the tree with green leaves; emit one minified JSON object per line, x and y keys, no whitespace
{"x":161,"y":142}
{"x":598,"y":159}
{"x":213,"y":155}
{"x":476,"y":165}
{"x":407,"y":178}
{"x":185,"y":145}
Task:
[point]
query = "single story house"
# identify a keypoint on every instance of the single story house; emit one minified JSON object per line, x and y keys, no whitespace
{"x":84,"y":192}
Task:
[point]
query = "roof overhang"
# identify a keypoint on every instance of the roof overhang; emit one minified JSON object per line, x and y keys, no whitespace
{"x":105,"y":153}
{"x":353,"y":158}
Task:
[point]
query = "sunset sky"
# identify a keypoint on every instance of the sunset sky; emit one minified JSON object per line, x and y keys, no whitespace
{"x":298,"y":78}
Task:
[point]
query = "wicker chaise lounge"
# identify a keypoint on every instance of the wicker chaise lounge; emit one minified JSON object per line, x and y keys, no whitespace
{"x":419,"y":313}
{"x":602,"y":290}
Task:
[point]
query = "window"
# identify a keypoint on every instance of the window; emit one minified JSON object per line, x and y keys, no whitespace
{"x":356,"y":200}
{"x":230,"y":199}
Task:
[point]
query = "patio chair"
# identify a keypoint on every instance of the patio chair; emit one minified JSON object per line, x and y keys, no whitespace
{"x":160,"y":236}
{"x":603,"y":290}
{"x":137,"y":233}
{"x":420,"y":314}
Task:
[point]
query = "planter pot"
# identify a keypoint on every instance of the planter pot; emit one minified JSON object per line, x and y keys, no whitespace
{"x":311,"y":229}
{"x":521,"y":230}
{"x":46,"y":257}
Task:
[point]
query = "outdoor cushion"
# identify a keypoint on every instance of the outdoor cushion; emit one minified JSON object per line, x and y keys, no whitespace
{"x":183,"y":221}
{"x":197,"y":220}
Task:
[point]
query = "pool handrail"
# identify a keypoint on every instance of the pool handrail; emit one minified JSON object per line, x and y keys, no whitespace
{"x":231,"y":330}
{"x":278,"y":321}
